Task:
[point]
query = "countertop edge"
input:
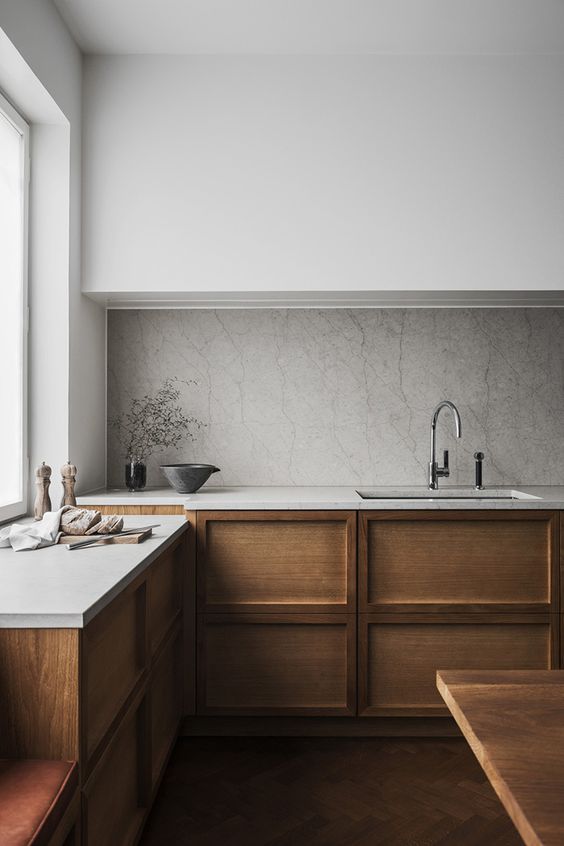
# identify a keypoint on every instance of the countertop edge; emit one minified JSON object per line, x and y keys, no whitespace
{"x":42,"y":621}
{"x":126,"y":580}
{"x":342,"y":498}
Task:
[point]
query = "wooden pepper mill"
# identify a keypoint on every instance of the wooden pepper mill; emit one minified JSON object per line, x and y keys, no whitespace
{"x":68,"y":472}
{"x":42,"y":499}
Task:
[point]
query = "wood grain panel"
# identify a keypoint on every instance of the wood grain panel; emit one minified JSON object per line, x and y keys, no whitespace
{"x":399,"y":654}
{"x":502,"y":561}
{"x":166,"y":703}
{"x":114,"y":659}
{"x":514,"y":723}
{"x":165,"y":593}
{"x":136,"y":510}
{"x":277,"y":664}
{"x":39,"y":693}
{"x":276,"y":561}
{"x":115,"y":796}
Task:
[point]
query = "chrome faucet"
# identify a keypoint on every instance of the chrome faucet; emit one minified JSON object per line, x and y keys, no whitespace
{"x":436,"y":472}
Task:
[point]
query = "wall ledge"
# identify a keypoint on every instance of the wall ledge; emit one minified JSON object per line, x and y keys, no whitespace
{"x":328,"y":299}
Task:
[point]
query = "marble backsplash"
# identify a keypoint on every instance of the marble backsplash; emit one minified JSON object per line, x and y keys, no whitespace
{"x":344,"y":396}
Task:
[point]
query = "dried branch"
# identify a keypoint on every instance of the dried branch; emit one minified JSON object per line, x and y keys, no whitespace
{"x":155,"y":422}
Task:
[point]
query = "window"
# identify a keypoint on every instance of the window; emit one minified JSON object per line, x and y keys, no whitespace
{"x":14,"y":141}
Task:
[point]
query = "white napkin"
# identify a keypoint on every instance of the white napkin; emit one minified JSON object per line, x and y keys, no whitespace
{"x":44,"y":532}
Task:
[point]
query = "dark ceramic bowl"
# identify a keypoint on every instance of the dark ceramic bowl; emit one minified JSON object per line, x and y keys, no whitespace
{"x":187,"y":478}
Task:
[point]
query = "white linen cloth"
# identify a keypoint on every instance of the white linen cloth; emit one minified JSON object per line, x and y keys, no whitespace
{"x":44,"y":532}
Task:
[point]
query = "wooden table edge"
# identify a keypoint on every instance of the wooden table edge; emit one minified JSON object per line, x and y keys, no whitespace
{"x":494,"y":776}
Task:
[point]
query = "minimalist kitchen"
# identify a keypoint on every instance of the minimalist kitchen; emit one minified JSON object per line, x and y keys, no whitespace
{"x":282,"y":438}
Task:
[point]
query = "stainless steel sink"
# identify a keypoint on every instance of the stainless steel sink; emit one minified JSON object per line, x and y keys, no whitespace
{"x":457,"y":494}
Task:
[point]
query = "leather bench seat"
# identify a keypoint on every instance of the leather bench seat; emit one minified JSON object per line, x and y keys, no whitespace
{"x":34,"y":796}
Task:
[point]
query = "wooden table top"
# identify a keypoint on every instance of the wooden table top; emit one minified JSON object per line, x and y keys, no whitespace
{"x":514,"y":722}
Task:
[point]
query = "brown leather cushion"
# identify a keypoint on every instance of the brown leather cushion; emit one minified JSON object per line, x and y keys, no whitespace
{"x":34,"y":795}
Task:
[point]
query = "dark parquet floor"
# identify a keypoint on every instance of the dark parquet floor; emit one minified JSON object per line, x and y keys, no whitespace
{"x":326,"y":792}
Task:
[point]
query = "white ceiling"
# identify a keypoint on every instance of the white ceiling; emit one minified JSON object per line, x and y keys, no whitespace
{"x":316,"y":26}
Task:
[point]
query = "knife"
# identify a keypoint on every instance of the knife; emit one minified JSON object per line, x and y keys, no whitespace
{"x":99,"y":538}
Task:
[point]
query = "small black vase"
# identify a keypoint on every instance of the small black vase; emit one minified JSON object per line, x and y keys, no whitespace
{"x":135,"y":475}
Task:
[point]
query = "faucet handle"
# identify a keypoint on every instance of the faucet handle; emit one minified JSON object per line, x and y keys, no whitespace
{"x":445,"y":461}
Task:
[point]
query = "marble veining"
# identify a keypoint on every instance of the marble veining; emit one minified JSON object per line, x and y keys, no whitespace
{"x":344,"y":396}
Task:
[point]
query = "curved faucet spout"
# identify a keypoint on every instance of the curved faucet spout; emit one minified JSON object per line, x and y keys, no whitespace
{"x":455,"y":414}
{"x":436,"y":472}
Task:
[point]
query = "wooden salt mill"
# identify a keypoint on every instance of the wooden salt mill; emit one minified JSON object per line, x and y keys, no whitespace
{"x":68,"y":472}
{"x":42,"y":499}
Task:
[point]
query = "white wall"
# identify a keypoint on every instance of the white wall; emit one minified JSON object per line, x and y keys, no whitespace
{"x":41,"y":72}
{"x":286,"y":173}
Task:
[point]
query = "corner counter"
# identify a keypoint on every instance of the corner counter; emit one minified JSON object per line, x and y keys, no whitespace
{"x":55,"y":588}
{"x":93,"y":667}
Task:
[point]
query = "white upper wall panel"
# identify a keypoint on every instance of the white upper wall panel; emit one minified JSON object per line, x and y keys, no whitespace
{"x":285,"y":173}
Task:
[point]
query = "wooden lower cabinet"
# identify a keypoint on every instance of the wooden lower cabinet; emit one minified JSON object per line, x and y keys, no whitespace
{"x":114,"y":658}
{"x":277,"y":664}
{"x":399,"y":654}
{"x":165,"y":596}
{"x":284,"y":562}
{"x":490,"y":561}
{"x":115,"y":798}
{"x":131,"y":699}
{"x":165,"y":703}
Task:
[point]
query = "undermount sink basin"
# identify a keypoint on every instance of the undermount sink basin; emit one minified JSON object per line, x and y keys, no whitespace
{"x":458,"y":494}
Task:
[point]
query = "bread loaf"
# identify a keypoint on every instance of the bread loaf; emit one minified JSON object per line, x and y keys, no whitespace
{"x":78,"y":521}
{"x":109,"y":525}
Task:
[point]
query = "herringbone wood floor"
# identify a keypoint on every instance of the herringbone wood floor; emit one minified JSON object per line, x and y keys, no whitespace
{"x":326,"y":792}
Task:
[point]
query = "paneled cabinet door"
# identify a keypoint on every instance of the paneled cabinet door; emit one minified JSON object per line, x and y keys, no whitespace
{"x":115,"y":797}
{"x":277,"y":664}
{"x":501,"y":561}
{"x":277,"y":561}
{"x":114,"y":657}
{"x":165,"y":592}
{"x":399,"y":654}
{"x":166,"y":702}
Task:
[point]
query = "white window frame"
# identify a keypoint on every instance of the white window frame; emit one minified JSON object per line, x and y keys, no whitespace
{"x":16,"y":509}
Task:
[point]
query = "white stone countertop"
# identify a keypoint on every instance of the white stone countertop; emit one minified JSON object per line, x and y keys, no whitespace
{"x":210,"y":498}
{"x":55,"y":588}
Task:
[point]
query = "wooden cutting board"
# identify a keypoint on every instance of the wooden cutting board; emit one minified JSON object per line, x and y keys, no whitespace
{"x":136,"y":537}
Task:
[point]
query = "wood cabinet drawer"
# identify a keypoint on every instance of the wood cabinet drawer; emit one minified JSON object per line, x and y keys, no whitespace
{"x":115,"y":796}
{"x":166,"y":702}
{"x":277,"y":561}
{"x":400,"y":654}
{"x":277,"y":664}
{"x":470,"y":560}
{"x":164,"y":598}
{"x":114,"y":658}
